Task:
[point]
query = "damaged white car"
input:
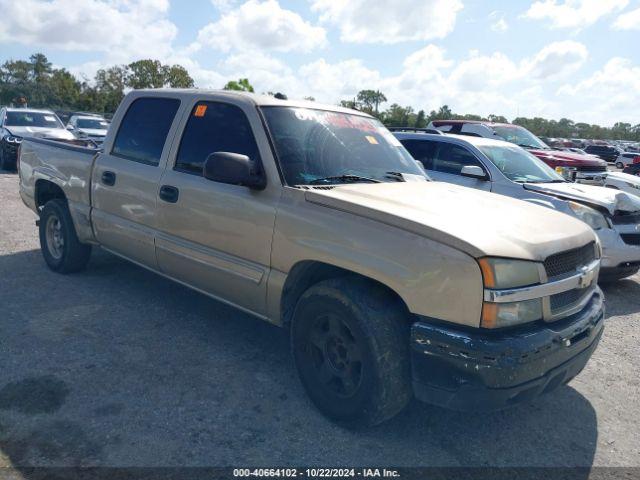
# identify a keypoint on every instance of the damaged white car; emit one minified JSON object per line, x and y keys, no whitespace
{"x":507,"y":169}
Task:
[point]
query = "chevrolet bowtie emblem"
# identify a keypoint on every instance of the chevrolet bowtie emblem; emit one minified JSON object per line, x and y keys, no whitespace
{"x":586,"y":277}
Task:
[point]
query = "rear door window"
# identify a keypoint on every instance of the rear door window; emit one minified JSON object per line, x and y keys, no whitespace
{"x":214,"y":127}
{"x":144,"y":129}
{"x":422,"y":150}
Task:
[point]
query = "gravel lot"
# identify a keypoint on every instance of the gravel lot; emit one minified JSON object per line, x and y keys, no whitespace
{"x":119,"y":367}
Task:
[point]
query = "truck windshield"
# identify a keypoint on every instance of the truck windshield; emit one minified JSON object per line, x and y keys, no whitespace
{"x":519,"y":165}
{"x":32,"y":119}
{"x":520,"y":136}
{"x":313,"y":146}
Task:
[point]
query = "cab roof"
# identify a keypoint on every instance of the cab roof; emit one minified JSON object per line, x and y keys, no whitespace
{"x":250,"y":98}
{"x":452,"y":138}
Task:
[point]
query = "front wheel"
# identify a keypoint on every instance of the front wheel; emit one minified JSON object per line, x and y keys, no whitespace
{"x":350,"y":343}
{"x":61,"y":249}
{"x":620,"y":165}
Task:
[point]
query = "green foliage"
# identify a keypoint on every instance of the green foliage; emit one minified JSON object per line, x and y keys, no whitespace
{"x":241,"y":85}
{"x":44,"y":86}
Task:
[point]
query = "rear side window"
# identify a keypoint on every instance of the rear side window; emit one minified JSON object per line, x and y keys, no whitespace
{"x":144,"y":129}
{"x":214,"y":127}
{"x":422,"y":150}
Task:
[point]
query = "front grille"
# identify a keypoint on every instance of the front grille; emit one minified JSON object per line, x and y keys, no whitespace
{"x":567,"y":299}
{"x":569,"y":262}
{"x":592,"y":169}
{"x":631,"y":238}
{"x":626,"y":219}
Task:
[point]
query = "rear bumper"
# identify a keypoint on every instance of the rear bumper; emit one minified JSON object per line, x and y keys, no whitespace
{"x":482,"y":370}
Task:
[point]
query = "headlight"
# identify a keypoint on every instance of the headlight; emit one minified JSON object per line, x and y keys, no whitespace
{"x":499,"y":315}
{"x":499,"y":274}
{"x":588,"y":215}
{"x":567,"y":173}
{"x":13,"y":139}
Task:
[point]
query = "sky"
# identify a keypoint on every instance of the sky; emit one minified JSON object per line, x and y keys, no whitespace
{"x":577,"y":59}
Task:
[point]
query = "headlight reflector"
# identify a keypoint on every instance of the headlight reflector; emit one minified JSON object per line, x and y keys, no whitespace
{"x":588,"y":215}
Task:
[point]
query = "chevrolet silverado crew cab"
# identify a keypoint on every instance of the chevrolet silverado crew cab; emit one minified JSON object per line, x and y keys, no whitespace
{"x":575,"y":167}
{"x":315,"y":218}
{"x":506,"y":169}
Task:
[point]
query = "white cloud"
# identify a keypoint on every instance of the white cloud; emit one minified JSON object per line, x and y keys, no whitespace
{"x":628,"y":20}
{"x":611,"y":92}
{"x":122,"y":28}
{"x":557,"y":59}
{"x":262,"y":25}
{"x":573,"y":13}
{"x":498,"y":22}
{"x":376,"y":21}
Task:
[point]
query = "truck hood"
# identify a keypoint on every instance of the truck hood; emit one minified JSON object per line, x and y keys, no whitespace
{"x":608,"y":198}
{"x":475,"y":222}
{"x":569,"y":159}
{"x":41,"y":132}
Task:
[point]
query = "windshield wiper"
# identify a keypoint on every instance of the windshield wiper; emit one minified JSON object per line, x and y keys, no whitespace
{"x":344,"y":179}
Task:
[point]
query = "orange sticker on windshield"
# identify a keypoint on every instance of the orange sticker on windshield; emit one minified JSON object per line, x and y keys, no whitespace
{"x":372,"y":140}
{"x":200,"y":111}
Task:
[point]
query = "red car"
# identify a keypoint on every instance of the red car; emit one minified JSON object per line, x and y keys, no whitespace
{"x":573,"y":166}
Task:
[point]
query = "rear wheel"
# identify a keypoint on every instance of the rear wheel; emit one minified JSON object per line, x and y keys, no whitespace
{"x":620,"y":165}
{"x":61,"y":249}
{"x":350,"y":343}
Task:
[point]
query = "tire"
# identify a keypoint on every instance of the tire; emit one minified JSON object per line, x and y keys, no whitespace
{"x":350,"y":344}
{"x":2,"y":155}
{"x":61,"y":249}
{"x":620,"y":165}
{"x":5,"y":163}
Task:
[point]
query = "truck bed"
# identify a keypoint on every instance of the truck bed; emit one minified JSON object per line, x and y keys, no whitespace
{"x":66,"y":164}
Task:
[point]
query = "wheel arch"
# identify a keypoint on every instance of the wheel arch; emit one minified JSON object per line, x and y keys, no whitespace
{"x":46,"y":190}
{"x":307,"y":273}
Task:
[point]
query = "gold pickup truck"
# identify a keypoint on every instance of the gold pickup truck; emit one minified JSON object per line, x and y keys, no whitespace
{"x":316,"y":219}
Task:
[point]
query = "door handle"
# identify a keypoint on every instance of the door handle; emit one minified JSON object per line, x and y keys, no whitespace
{"x":108,"y":178}
{"x":169,"y":194}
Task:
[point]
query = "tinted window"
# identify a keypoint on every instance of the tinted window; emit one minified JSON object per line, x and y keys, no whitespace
{"x":422,"y":150}
{"x":144,"y":128}
{"x":214,"y":127}
{"x":451,"y":158}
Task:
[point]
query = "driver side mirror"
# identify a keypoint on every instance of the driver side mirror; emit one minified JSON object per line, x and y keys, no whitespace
{"x":473,"y":171}
{"x":70,"y":127}
{"x":233,"y":169}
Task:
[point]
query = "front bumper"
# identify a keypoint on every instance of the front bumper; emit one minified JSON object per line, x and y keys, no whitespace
{"x":490,"y":370}
{"x":617,"y":254}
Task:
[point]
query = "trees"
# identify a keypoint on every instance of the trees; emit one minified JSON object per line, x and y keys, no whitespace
{"x":370,"y":100}
{"x":241,"y":85}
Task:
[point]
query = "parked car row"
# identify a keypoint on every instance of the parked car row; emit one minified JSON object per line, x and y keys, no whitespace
{"x":17,"y":123}
{"x":316,"y":218}
{"x":507,"y":169}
